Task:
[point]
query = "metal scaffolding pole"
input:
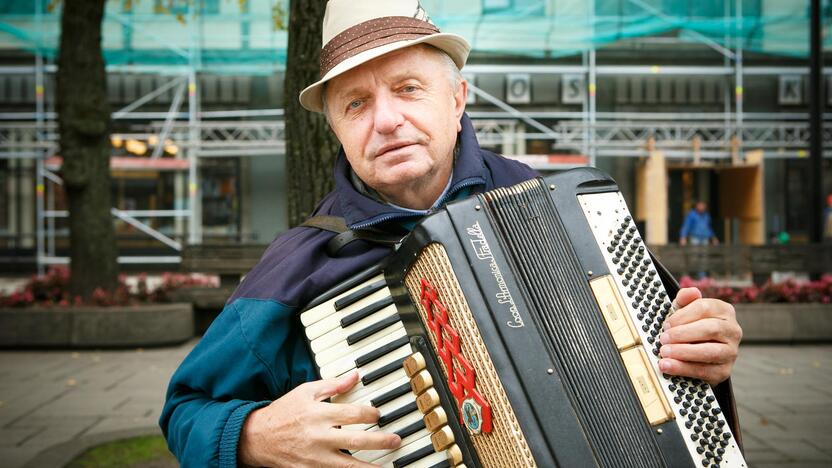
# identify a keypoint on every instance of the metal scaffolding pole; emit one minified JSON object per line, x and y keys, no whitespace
{"x":592,"y":101}
{"x":738,"y":74}
{"x":40,"y":183}
{"x":816,"y":100}
{"x":195,"y":220}
{"x":592,"y":88}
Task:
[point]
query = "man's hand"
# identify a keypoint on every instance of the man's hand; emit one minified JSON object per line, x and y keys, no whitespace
{"x":700,"y":339}
{"x":683,"y":241}
{"x":300,"y":429}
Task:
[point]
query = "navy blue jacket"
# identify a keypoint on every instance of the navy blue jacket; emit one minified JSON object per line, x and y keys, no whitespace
{"x":254,"y":352}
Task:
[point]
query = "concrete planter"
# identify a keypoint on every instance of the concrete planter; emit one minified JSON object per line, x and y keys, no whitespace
{"x":85,"y":327}
{"x":785,"y":322}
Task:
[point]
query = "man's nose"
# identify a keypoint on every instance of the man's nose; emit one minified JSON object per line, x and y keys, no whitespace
{"x":388,"y":116}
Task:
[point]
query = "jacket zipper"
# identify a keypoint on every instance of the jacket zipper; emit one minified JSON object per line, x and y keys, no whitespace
{"x":391,"y":216}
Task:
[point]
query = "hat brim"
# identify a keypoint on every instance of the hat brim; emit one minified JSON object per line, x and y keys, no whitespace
{"x":455,"y":46}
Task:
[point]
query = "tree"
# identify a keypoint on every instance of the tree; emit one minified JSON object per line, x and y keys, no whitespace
{"x":84,"y":123}
{"x":311,"y":146}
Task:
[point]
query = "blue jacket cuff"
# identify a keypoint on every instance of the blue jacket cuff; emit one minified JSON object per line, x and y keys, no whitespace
{"x":231,"y":432}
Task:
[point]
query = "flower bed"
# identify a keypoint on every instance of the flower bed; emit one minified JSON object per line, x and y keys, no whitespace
{"x":789,"y":291}
{"x":136,"y":314}
{"x":52,"y":290}
{"x":789,"y":311}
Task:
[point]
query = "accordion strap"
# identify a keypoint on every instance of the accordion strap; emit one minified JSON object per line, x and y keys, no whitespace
{"x":344,"y":235}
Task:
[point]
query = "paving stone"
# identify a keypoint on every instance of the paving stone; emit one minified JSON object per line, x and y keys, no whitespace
{"x":800,"y":450}
{"x":13,"y":437}
{"x":17,"y":457}
{"x":784,"y":396}
{"x":119,"y":424}
{"x":764,"y":456}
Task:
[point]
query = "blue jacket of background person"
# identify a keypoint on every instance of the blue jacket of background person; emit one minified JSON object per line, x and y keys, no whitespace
{"x":697,"y":225}
{"x":254,"y":352}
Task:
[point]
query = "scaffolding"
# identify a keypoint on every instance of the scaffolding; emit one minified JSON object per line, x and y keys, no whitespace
{"x":587,"y":132}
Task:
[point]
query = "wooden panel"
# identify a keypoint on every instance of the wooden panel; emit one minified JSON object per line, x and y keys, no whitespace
{"x":742,"y":197}
{"x":654,"y":200}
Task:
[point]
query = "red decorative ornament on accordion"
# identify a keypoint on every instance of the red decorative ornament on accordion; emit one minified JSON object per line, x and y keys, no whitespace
{"x":474,"y":410}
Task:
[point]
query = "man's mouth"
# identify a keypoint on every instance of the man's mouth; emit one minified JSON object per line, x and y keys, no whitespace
{"x":390,"y":147}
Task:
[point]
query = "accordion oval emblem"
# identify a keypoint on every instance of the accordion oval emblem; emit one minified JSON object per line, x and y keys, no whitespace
{"x":472,"y":415}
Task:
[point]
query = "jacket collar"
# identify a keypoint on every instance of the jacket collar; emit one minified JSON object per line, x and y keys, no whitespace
{"x":361,"y":211}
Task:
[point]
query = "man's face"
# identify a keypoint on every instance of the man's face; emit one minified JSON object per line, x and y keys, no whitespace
{"x":397,"y":118}
{"x":701,"y":207}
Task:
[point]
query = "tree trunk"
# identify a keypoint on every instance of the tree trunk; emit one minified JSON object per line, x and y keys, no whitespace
{"x":311,"y":146}
{"x":84,"y":121}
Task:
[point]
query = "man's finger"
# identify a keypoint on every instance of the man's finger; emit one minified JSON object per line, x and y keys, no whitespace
{"x":323,"y":389}
{"x":698,"y":310}
{"x":685,"y":296}
{"x":706,"y":329}
{"x":703,"y":353}
{"x":711,"y":373}
{"x":363,"y":440}
{"x":341,"y":414}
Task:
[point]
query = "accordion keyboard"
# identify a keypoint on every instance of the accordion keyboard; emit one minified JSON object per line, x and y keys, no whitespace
{"x":689,"y":401}
{"x":360,"y":328}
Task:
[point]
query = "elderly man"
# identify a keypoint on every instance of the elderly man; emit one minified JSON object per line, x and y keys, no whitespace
{"x":393,"y":95}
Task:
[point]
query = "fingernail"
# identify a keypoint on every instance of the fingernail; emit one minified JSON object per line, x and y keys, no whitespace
{"x":664,"y":366}
{"x":666,"y":325}
{"x":665,"y":351}
{"x":395,"y":441}
{"x":664,"y":338}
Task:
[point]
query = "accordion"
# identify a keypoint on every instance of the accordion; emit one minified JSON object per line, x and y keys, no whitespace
{"x":519,"y":327}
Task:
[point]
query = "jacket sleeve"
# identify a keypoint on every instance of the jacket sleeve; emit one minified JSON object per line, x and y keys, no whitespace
{"x":686,"y":225}
{"x":249,"y":356}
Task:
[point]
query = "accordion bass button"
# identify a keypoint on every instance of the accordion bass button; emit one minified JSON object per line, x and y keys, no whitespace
{"x":413,"y":364}
{"x":421,"y":382}
{"x":454,"y":455}
{"x":428,"y":400}
{"x":442,"y":438}
{"x":435,"y":419}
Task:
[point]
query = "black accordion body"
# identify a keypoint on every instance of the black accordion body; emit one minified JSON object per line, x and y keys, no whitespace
{"x":520,"y":327}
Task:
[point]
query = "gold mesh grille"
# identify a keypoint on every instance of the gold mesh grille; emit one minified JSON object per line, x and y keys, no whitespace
{"x":505,"y":446}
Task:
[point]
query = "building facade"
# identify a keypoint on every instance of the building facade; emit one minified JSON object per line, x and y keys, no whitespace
{"x":705,"y":89}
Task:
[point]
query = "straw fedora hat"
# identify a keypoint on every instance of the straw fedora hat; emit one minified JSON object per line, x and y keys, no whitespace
{"x":357,"y":31}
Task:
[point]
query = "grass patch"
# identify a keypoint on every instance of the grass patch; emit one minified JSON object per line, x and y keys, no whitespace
{"x":127,"y":453}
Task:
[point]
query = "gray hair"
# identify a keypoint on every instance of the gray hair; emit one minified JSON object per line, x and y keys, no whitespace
{"x":454,"y":75}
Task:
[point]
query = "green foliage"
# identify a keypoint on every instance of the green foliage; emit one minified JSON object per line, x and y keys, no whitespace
{"x":280,"y":17}
{"x":126,"y":453}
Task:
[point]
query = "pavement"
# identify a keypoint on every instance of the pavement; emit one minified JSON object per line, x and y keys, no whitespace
{"x":56,"y":402}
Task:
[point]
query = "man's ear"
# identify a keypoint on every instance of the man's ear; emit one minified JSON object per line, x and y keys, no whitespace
{"x":460,"y":98}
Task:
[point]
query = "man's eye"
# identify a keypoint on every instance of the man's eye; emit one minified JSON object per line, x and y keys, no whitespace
{"x":355,"y":104}
{"x":409,"y":89}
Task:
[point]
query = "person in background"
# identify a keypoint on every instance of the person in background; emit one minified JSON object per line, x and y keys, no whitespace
{"x":827,"y":220}
{"x":697,"y":227}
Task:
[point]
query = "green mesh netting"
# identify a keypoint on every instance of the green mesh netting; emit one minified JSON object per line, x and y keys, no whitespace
{"x":245,"y":36}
